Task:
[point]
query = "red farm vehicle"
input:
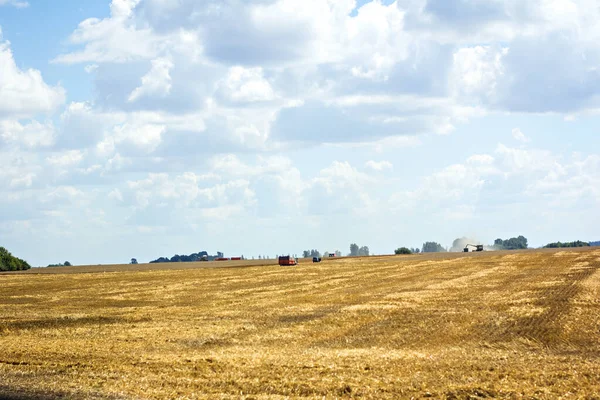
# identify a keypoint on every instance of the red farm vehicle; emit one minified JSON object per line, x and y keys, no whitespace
{"x":287,"y":261}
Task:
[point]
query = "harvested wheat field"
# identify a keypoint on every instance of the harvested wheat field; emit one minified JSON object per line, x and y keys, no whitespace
{"x":498,"y":324}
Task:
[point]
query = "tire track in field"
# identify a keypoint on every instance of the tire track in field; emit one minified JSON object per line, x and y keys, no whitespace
{"x":439,"y":293}
{"x":360,"y":287}
{"x":554,"y":300}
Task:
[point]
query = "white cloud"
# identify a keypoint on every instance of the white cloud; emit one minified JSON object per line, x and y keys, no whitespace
{"x":16,"y":3}
{"x":235,"y":110}
{"x":246,"y":85}
{"x":113,"y":39}
{"x":66,"y":159}
{"x":476,"y":71}
{"x":187,"y":192}
{"x":481,"y":159}
{"x":157,"y":82}
{"x":30,"y":135}
{"x":25,"y":181}
{"x":24,"y":93}
{"x":145,"y":137}
{"x":379,"y":166}
{"x":90,"y":68}
{"x":522,"y":161}
{"x":568,"y":185}
{"x":520,"y":136}
{"x":116,"y":195}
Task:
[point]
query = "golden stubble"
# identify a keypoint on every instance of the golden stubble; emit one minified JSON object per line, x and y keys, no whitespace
{"x":512,"y":325}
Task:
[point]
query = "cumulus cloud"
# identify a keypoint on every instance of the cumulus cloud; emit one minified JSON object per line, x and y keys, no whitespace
{"x":520,"y":136}
{"x":157,"y":82}
{"x":379,"y":165}
{"x":207,"y":109}
{"x":336,"y":73}
{"x":476,"y":71}
{"x":113,"y":39}
{"x":162,"y":194}
{"x":24,"y":93}
{"x":67,"y":159}
{"x":246,"y":85}
{"x":31,"y":135}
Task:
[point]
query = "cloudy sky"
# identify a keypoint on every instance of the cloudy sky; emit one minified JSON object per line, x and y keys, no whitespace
{"x":145,"y":128}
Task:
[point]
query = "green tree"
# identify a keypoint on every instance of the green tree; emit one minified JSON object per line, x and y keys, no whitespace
{"x":433,"y":247}
{"x":514,"y":243}
{"x":8,"y":262}
{"x":354,"y":250}
{"x":402,"y":250}
{"x":133,"y":261}
{"x":557,"y":245}
{"x":363,"y":251}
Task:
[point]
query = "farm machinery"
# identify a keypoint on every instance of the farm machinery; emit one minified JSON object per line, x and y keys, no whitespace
{"x":287,"y":261}
{"x":475,"y":247}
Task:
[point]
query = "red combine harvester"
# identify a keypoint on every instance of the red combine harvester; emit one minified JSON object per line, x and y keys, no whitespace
{"x":221,"y":259}
{"x":236,"y":258}
{"x":287,"y":261}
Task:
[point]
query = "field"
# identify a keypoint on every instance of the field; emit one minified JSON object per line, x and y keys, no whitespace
{"x":496,"y":324}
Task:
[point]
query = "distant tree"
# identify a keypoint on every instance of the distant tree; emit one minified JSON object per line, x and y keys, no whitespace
{"x":65,"y":264}
{"x":306,"y":254}
{"x":595,"y":243}
{"x":354,"y":249}
{"x":433,"y":247}
{"x":557,"y":245}
{"x":363,"y":251}
{"x":8,"y":262}
{"x":194,"y":257}
{"x":402,"y":250}
{"x":338,"y":253}
{"x":133,"y":261}
{"x":517,"y":243}
{"x":415,"y":250}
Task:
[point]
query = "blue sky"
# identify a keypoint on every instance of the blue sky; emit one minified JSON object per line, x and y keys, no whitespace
{"x":146,"y":128}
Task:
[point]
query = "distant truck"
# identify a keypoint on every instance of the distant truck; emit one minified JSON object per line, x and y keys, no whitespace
{"x":316,"y":259}
{"x":287,"y":261}
{"x":476,"y":247}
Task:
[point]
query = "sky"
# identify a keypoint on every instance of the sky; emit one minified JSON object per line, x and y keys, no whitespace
{"x":148,"y":128}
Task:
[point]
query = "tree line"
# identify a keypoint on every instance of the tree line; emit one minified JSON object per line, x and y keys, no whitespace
{"x":65,"y":264}
{"x":518,"y":243}
{"x":515,"y":243}
{"x":558,"y":245}
{"x":194,"y":257}
{"x":358,"y":251}
{"x":8,"y":262}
